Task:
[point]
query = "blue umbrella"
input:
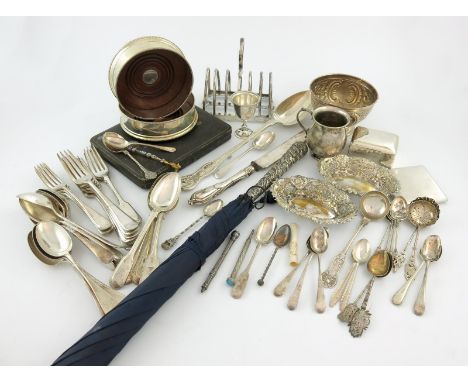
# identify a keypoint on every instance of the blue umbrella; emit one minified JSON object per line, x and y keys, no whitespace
{"x":109,"y":335}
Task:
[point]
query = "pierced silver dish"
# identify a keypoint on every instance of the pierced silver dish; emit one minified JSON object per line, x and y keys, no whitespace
{"x":358,"y":175}
{"x":313,"y":199}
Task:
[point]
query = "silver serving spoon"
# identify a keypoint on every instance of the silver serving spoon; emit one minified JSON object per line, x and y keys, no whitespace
{"x":209,"y":210}
{"x":162,"y":197}
{"x":317,"y":243}
{"x":118,"y":142}
{"x":103,"y":252}
{"x":264,"y":233}
{"x":373,"y":205}
{"x":281,"y":239}
{"x":284,"y":114}
{"x":259,"y":143}
{"x":361,"y":253}
{"x":39,"y":208}
{"x":431,"y":250}
{"x":55,"y":245}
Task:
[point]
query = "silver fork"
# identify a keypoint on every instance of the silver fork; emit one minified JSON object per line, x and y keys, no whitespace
{"x":81,"y":175}
{"x":53,"y":181}
{"x":101,"y":172}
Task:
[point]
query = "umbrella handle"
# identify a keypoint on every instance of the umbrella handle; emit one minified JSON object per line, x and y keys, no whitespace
{"x":294,"y":153}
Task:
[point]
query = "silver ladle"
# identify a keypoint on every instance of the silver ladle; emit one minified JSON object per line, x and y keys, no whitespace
{"x":259,"y":143}
{"x":264,"y":233}
{"x":51,"y":244}
{"x":209,"y":210}
{"x":373,"y":205}
{"x":162,"y":197}
{"x":284,"y":114}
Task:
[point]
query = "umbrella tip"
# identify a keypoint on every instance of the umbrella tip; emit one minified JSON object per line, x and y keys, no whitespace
{"x":230,"y":282}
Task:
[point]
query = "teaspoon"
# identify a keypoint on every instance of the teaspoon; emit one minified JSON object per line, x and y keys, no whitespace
{"x":264,"y":233}
{"x":208,"y":211}
{"x":281,"y":238}
{"x":118,"y":142}
{"x":53,"y":245}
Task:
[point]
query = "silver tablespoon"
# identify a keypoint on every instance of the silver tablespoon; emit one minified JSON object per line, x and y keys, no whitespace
{"x":431,"y":249}
{"x":55,"y":244}
{"x":259,"y":143}
{"x":373,"y":205}
{"x":264,"y":233}
{"x":162,"y":197}
{"x":361,"y":253}
{"x":209,"y":210}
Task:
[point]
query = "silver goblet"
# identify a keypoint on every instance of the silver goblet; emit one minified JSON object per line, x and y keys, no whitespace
{"x":245,"y":103}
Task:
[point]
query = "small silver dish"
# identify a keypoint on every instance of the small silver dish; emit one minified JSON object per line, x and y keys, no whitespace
{"x":358,"y":175}
{"x":314,"y":199}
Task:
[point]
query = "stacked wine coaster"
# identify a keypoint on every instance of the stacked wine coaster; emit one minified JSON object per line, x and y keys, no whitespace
{"x":152,"y":81}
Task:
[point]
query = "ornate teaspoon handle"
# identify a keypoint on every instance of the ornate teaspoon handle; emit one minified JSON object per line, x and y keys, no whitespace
{"x":420,"y":305}
{"x":340,"y":289}
{"x":410,"y":266}
{"x":169,"y":243}
{"x":400,"y":295}
{"x":330,"y":276}
{"x":175,"y":166}
{"x":294,"y":299}
{"x":320,"y":305}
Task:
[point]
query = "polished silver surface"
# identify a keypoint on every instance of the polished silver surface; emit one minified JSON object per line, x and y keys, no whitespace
{"x":119,"y":142}
{"x":376,"y":145}
{"x":53,"y":181}
{"x":245,"y":105}
{"x":327,"y":136}
{"x":261,"y":142}
{"x":209,"y":210}
{"x":100,"y":170}
{"x":373,"y":205}
{"x":211,"y":275}
{"x":126,"y":228}
{"x":232,"y":278}
{"x":281,"y":239}
{"x":416,"y":181}
{"x":263,"y":236}
{"x":162,"y":197}
{"x":206,"y":194}
{"x":55,"y":244}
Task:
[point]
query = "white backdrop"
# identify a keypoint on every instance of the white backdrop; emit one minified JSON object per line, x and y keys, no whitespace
{"x":55,"y":95}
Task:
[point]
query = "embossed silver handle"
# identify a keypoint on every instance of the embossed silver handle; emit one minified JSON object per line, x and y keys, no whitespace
{"x":339,"y":291}
{"x":294,"y":299}
{"x":420,"y":304}
{"x":189,"y":182}
{"x":400,"y":295}
{"x":205,"y":195}
{"x":241,"y":282}
{"x":330,"y":276}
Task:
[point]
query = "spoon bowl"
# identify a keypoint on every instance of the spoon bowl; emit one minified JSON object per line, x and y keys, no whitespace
{"x":285,"y":113}
{"x":265,"y":231}
{"x":116,"y":142}
{"x":213,"y":207}
{"x":398,"y":210}
{"x":431,"y":249}
{"x":374,"y":205}
{"x":164,"y":193}
{"x":53,"y":239}
{"x":36,"y":250}
{"x":380,"y":263}
{"x":361,"y":251}
{"x":318,"y":240}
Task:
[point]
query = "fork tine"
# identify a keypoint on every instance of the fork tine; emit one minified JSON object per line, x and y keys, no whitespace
{"x":99,"y":159}
{"x":42,"y":176}
{"x":89,"y":160}
{"x":53,"y":176}
{"x":46,"y":178}
{"x":73,"y":160}
{"x":67,"y":165}
{"x":82,"y":166}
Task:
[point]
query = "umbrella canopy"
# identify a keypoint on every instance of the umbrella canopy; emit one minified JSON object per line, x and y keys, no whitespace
{"x":110,"y":334}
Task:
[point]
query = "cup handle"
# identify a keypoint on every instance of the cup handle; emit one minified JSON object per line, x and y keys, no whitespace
{"x":299,"y":120}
